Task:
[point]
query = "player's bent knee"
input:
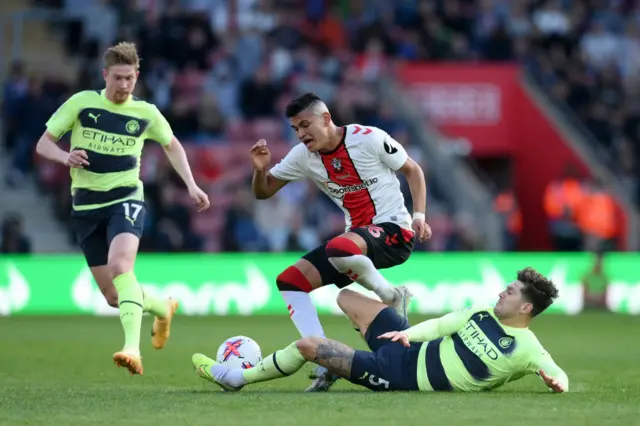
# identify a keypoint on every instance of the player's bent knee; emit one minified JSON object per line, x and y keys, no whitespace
{"x":122,"y":253}
{"x":342,"y":247}
{"x":120,"y":265}
{"x":345,"y":297}
{"x":308,"y":347}
{"x":292,"y":279}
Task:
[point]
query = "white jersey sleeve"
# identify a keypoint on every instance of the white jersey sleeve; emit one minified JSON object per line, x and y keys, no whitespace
{"x":292,"y":166}
{"x":390,"y":152}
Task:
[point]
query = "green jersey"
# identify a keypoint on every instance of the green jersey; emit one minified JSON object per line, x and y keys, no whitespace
{"x":113,"y":136}
{"x":471,"y":351}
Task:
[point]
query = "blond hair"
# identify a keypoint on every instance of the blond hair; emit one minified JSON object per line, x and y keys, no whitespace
{"x":123,"y":53}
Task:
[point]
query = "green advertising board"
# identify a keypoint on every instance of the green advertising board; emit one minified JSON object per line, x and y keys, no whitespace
{"x":228,"y":284}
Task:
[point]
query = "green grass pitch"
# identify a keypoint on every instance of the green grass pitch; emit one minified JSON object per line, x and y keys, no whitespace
{"x":58,"y":371}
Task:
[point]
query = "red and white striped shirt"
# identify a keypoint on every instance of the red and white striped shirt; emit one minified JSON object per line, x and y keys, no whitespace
{"x":359,"y":175}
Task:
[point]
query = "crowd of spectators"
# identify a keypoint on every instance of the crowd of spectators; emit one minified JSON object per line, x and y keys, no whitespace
{"x":587,"y":57}
{"x":222,"y":70}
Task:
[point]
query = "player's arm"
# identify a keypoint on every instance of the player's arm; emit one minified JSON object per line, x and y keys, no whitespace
{"x":178,"y":158}
{"x":551,"y":374}
{"x":431,"y":329}
{"x":47,"y":147}
{"x":417,"y":185}
{"x":161,"y":132}
{"x":266,"y":183}
{"x":394,"y":156}
{"x":60,"y":123}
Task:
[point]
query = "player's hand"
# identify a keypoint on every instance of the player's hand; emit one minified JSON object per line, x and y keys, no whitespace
{"x":77,"y":159}
{"x":552,"y":383}
{"x":260,"y":155}
{"x":199,"y":198}
{"x":396,"y":336}
{"x":422,"y":229}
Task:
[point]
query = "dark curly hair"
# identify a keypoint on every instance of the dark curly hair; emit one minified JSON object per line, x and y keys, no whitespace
{"x":538,"y":290}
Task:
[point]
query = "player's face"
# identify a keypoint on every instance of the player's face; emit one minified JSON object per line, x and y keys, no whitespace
{"x":120,"y":81}
{"x":311,"y":129}
{"x":511,"y":301}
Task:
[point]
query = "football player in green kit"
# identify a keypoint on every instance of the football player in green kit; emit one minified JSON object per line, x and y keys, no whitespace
{"x":109,"y":128}
{"x":466,"y":351}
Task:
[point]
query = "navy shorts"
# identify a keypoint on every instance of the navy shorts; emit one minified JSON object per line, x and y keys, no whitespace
{"x":388,"y":245}
{"x":390,"y":366}
{"x":95,"y":229}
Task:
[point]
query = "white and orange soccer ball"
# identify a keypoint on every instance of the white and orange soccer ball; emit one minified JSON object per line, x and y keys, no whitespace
{"x":239,"y":352}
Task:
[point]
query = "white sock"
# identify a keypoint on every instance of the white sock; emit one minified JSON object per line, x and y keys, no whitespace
{"x":365,"y":274}
{"x":303,"y":313}
{"x":233,"y":378}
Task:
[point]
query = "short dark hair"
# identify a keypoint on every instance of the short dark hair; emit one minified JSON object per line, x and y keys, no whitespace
{"x":538,"y":290}
{"x":301,"y":103}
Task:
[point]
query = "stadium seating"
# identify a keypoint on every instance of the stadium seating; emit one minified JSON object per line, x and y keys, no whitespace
{"x":199,"y":80}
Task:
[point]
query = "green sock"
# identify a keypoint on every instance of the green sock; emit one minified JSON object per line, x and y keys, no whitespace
{"x":154,"y":306}
{"x":281,"y":363}
{"x":130,"y":302}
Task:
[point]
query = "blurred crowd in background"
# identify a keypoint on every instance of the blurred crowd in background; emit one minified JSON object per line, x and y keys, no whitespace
{"x":221,"y":71}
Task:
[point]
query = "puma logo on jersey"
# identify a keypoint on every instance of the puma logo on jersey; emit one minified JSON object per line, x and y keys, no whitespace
{"x":95,"y":117}
{"x":389,"y":148}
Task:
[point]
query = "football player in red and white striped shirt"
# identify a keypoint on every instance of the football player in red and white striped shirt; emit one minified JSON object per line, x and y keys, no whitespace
{"x":356,"y":167}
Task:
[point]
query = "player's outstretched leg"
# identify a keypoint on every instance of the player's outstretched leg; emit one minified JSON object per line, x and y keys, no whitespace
{"x":331,"y":354}
{"x":279,"y":364}
{"x":122,"y":253}
{"x":347,"y":253}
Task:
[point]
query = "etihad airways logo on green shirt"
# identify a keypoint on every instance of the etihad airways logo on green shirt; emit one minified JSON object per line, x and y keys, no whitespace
{"x":107,"y":138}
{"x":108,"y":132}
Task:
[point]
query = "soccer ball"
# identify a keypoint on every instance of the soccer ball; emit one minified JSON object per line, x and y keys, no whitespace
{"x":239,"y":352}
